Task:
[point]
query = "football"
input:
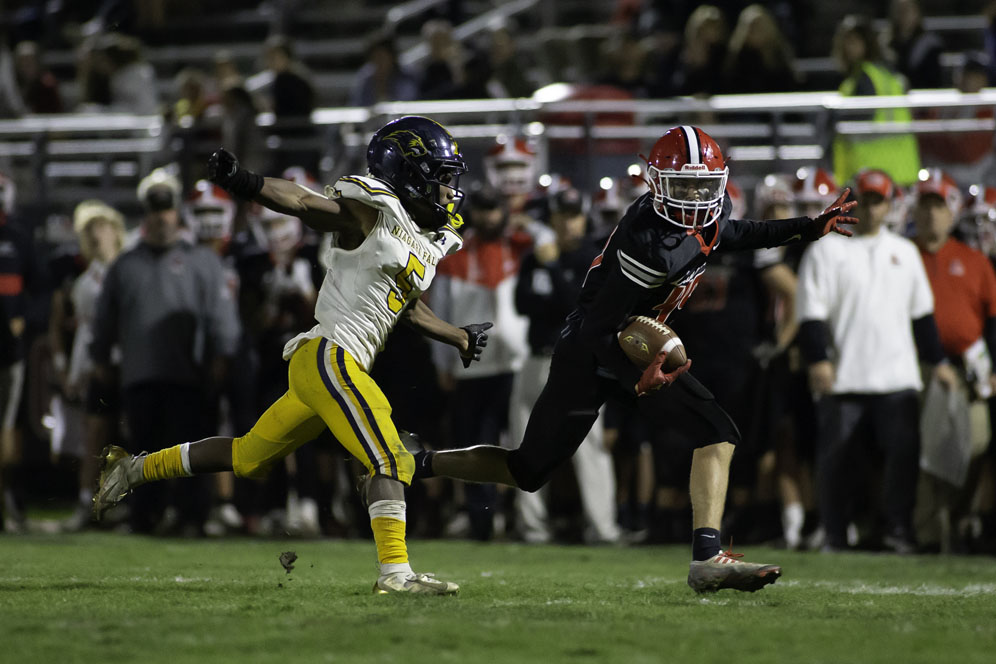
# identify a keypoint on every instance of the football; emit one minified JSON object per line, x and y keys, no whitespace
{"x":644,"y":337}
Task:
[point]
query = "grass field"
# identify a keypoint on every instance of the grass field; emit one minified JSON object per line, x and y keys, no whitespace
{"x":113,"y":598}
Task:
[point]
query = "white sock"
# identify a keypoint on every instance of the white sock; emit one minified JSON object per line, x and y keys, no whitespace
{"x":185,"y":458}
{"x":391,"y":509}
{"x":793,"y":517}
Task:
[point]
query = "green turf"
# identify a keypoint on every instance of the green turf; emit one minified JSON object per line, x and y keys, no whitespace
{"x":111,"y":598}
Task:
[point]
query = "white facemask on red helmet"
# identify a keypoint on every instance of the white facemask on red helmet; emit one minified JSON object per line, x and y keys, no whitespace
{"x":299,"y":175}
{"x":282,"y":233}
{"x":687,"y":175}
{"x":814,"y":186}
{"x":210,"y":212}
{"x":773,"y":189}
{"x":510,"y":166}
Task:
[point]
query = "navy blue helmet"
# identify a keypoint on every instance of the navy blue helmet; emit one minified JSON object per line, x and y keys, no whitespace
{"x":416,"y":155}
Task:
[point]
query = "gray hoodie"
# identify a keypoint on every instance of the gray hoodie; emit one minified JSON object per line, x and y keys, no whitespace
{"x":169,"y":310}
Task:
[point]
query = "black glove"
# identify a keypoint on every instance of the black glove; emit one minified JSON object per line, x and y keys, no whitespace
{"x":477,"y":339}
{"x":224,"y":170}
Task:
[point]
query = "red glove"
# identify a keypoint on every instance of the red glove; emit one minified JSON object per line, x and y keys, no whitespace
{"x":654,"y":378}
{"x":832,"y":220}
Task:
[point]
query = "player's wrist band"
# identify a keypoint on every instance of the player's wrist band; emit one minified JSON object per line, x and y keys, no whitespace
{"x":245,"y":184}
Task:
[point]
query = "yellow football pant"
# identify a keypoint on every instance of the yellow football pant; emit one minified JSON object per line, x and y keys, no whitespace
{"x":327,"y":389}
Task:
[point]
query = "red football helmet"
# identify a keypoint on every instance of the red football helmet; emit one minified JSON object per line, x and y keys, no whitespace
{"x":737,"y":199}
{"x":977,"y":225}
{"x":937,"y":182}
{"x":300,"y":175}
{"x":773,"y":189}
{"x":510,"y":166}
{"x":209,"y":211}
{"x":615,"y":195}
{"x":981,"y":202}
{"x":814,"y":186}
{"x":279,"y":233}
{"x":687,"y":175}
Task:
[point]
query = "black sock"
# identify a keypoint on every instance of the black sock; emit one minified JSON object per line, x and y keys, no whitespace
{"x":423,"y":465}
{"x":705,"y":543}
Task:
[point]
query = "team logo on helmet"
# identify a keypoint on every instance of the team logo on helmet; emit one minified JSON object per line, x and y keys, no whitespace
{"x":410,"y":143}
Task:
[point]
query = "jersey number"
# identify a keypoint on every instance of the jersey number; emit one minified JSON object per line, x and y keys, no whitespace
{"x":679,"y":295}
{"x":396,"y":298}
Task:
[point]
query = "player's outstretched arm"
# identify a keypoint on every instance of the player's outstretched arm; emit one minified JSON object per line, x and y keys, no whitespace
{"x":317,"y":211}
{"x":470,"y":340}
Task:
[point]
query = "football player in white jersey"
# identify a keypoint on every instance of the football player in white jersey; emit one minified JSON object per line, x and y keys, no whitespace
{"x":391,"y":228}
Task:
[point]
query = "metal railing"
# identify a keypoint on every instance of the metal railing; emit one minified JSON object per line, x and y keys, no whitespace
{"x":61,"y":155}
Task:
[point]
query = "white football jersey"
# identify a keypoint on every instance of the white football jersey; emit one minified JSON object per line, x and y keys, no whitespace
{"x":366,"y":288}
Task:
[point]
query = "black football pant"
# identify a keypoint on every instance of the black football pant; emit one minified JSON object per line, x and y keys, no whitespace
{"x":686,"y":414}
{"x":480,"y":417}
{"x":161,"y":415}
{"x":855,"y":429}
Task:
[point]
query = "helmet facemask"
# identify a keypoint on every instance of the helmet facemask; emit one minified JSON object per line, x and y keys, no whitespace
{"x":691,"y":198}
{"x":425,"y":201}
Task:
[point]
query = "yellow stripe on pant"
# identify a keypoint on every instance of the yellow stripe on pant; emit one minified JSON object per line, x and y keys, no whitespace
{"x":327,"y":389}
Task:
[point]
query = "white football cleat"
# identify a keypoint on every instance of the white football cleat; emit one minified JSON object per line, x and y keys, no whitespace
{"x":119,"y":474}
{"x":726,"y":570}
{"x":410,"y":582}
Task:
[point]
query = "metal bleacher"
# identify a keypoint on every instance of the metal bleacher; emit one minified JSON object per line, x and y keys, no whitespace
{"x":59,"y":160}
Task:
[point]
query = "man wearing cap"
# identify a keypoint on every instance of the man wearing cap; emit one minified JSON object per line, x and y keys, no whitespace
{"x":548,"y":285}
{"x":866,"y":311}
{"x":964,"y":287}
{"x":167,"y":304}
{"x":478,"y":283}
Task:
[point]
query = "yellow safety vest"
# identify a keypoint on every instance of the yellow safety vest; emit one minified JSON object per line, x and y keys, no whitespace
{"x":896,"y":154}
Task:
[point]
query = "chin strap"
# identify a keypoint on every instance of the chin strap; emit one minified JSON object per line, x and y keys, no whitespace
{"x":703,"y":247}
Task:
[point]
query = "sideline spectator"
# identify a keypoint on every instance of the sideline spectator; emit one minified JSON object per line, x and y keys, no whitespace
{"x":238,"y":124}
{"x":760,"y":58}
{"x":965,"y":156}
{"x":382,"y":77}
{"x":19,"y":275}
{"x":548,"y":284}
{"x":917,"y":52}
{"x":964,"y":287}
{"x":856,"y":49}
{"x":479,"y":283}
{"x":174,"y":347}
{"x":700,"y":70}
{"x":101,"y":232}
{"x":131,"y":79}
{"x":443,"y":72}
{"x":865,"y":308}
{"x":39,"y":89}
{"x":193,"y":96}
{"x":625,"y":60}
{"x":510,"y":69}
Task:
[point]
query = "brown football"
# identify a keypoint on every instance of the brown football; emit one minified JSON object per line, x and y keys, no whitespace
{"x":645,"y":337}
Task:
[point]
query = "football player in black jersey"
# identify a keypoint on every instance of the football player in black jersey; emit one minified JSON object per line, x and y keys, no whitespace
{"x":650,"y":266}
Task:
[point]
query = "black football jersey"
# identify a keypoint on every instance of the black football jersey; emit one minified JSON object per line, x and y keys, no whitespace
{"x":650,"y":267}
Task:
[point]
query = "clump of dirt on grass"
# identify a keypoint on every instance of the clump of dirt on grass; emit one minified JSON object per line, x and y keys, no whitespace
{"x":287,"y":559}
